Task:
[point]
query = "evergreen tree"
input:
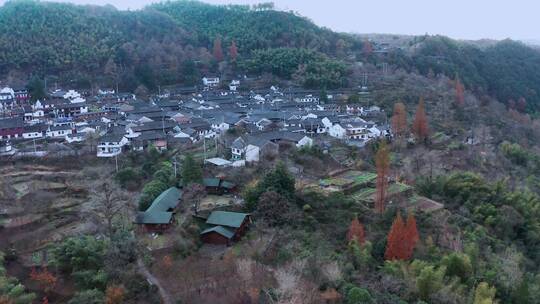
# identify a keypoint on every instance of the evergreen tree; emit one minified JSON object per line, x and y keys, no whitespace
{"x":191,"y":171}
{"x":484,"y":294}
{"x":36,"y":88}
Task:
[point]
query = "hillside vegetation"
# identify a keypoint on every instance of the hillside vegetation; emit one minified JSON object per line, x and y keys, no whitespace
{"x":175,"y":42}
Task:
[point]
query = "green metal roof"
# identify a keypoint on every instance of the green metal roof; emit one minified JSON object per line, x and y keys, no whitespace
{"x":156,"y":217}
{"x":211,"y":182}
{"x":216,"y":182}
{"x":227,"y":219}
{"x":221,"y":230}
{"x":227,"y":185}
{"x":167,"y":200}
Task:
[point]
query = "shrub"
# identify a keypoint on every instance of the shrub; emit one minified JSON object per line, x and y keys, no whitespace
{"x":357,"y":295}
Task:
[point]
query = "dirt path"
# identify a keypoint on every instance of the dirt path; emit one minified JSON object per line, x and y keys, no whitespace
{"x":165,"y":296}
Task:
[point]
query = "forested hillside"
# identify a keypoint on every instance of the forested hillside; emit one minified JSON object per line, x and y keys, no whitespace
{"x":176,"y":42}
{"x":508,"y":70}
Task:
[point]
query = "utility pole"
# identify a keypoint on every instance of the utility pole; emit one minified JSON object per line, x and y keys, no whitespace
{"x":175,"y":163}
{"x":35,"y":150}
{"x":116,"y":162}
{"x":204,"y":147}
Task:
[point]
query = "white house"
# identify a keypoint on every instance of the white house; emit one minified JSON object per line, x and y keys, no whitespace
{"x":210,"y":81}
{"x":35,"y":131}
{"x":111,"y":145}
{"x":337,"y":131}
{"x":233,"y":86}
{"x":59,"y":131}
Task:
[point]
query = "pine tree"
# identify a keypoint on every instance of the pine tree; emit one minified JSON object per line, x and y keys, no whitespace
{"x":420,"y":124}
{"x":356,"y":232}
{"x":460,"y":93}
{"x":191,"y":170}
{"x":233,"y":51}
{"x":399,"y":119}
{"x":218,"y":51}
{"x":382,"y":162}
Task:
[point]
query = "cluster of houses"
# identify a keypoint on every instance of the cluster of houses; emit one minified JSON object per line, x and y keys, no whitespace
{"x":262,"y":119}
{"x":222,"y":227}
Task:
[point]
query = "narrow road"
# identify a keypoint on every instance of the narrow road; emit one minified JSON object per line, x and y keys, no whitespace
{"x":165,"y":296}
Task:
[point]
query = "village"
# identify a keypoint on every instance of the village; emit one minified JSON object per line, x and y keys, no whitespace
{"x":222,"y":129}
{"x":117,"y":122}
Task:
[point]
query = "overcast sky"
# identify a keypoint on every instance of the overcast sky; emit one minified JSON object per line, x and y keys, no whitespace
{"x":463,"y":19}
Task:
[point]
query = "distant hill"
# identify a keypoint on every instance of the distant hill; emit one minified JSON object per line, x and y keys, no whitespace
{"x":507,"y":69}
{"x":173,"y":42}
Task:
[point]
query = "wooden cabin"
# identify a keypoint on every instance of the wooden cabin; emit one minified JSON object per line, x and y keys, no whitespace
{"x":225,"y":227}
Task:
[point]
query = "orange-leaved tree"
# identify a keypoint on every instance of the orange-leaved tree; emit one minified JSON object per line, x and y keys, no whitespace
{"x":44,"y":278}
{"x":382,"y":163}
{"x":402,"y":238}
{"x":420,"y":127}
{"x":233,"y":51}
{"x":460,"y":92}
{"x":356,"y":232}
{"x":399,"y":120}
{"x":412,"y":237}
{"x":217,"y":50}
{"x":115,"y":294}
{"x":395,"y":249}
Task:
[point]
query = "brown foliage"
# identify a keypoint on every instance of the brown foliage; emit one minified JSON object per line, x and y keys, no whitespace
{"x":217,"y":50}
{"x":233,"y":51}
{"x":382,"y":162}
{"x":460,"y":93}
{"x":44,"y":278}
{"x":273,"y":208}
{"x":399,"y":119}
{"x":367,"y":48}
{"x":114,"y":294}
{"x":420,"y":127}
{"x":356,"y":232}
{"x":5,"y":300}
{"x":402,"y":239}
{"x":167,"y":261}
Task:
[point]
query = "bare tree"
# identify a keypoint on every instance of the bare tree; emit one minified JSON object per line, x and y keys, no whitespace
{"x":109,"y":204}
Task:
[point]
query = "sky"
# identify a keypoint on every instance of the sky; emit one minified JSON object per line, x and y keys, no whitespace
{"x":460,"y":19}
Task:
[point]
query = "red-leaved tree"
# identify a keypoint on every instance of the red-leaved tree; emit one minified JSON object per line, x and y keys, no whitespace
{"x":412,"y":237}
{"x":420,"y":127}
{"x":382,"y":163}
{"x":233,"y":51}
{"x":115,"y":294}
{"x":402,"y":238}
{"x":44,"y":278}
{"x":395,"y":249}
{"x":367,"y":48}
{"x":218,"y":51}
{"x":399,"y":120}
{"x":356,"y":232}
